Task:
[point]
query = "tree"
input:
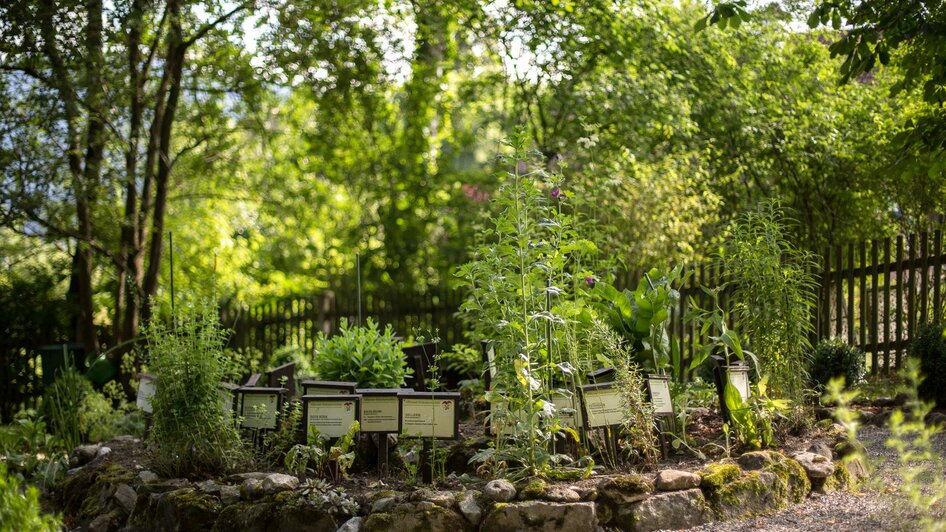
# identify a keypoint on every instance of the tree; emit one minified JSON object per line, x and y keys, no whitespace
{"x":103,"y":86}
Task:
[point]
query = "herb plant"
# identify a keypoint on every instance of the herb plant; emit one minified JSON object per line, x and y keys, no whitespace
{"x":20,"y":508}
{"x":527,"y":282}
{"x":774,"y":292}
{"x":190,"y":433}
{"x":834,"y":358}
{"x":364,"y":355}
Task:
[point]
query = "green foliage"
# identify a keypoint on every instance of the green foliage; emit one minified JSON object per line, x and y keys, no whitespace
{"x":20,"y":508}
{"x":753,"y":421}
{"x":834,"y":358}
{"x":191,"y":433}
{"x":362,"y":354}
{"x":921,"y":465}
{"x":320,"y":495}
{"x":313,"y":457}
{"x":464,"y":360}
{"x":527,"y":283}
{"x":638,"y":430}
{"x":773,"y":294}
{"x":292,"y":354}
{"x":641,"y":317}
{"x":929,"y":349}
{"x":280,"y":442}
{"x":29,"y":451}
{"x":63,"y":402}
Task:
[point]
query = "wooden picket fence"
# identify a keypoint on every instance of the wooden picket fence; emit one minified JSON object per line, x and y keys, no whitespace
{"x":873,"y":294}
{"x":299,"y":321}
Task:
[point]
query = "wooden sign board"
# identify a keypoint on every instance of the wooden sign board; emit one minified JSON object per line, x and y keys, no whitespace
{"x":146,"y":388}
{"x":313,"y":387}
{"x":430,"y":415}
{"x":253,"y":381}
{"x":602,"y":405}
{"x":331,"y":414}
{"x":227,"y":394}
{"x":419,"y":358}
{"x":568,"y":409}
{"x":739,"y":379}
{"x":380,"y":410}
{"x":283,"y":377}
{"x":259,"y":407}
{"x":658,"y":388}
{"x":602,"y":375}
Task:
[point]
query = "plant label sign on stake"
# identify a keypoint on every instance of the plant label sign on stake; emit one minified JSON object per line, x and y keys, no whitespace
{"x":146,"y":388}
{"x":431,"y":416}
{"x":331,"y":414}
{"x":658,"y":390}
{"x":600,"y":376}
{"x":283,"y":376}
{"x":314,"y":387}
{"x":259,"y":407}
{"x":739,"y":379}
{"x":380,"y":414}
{"x":489,"y":360}
{"x":603,"y":409}
{"x":568,"y":408}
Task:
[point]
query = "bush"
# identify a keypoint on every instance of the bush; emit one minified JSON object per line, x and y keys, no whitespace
{"x":364,"y":355}
{"x":191,"y":434}
{"x":834,"y":358}
{"x":929,"y":348}
{"x":19,"y":506}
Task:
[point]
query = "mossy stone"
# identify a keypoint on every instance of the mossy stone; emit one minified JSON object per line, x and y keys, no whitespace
{"x":534,"y":489}
{"x":244,"y":516}
{"x":419,"y":517}
{"x":718,"y":474}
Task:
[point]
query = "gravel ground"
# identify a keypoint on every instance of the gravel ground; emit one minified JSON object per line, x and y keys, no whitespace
{"x":872,"y":508}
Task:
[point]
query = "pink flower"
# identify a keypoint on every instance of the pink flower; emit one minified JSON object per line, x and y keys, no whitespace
{"x":556,"y":192}
{"x":590,"y":281}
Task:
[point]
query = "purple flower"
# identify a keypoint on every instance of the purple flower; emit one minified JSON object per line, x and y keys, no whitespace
{"x":556,"y":192}
{"x":590,"y":281}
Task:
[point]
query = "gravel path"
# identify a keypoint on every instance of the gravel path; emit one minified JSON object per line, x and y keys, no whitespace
{"x":870,"y":509}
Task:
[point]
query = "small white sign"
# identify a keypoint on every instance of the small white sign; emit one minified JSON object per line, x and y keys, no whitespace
{"x":660,"y":395}
{"x":259,"y":410}
{"x":740,"y":381}
{"x":146,"y":390}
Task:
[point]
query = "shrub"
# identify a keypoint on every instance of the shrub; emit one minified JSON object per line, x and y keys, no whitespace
{"x":929,"y":348}
{"x":834,"y":358}
{"x":364,"y":355}
{"x":19,"y":506}
{"x":191,"y":434}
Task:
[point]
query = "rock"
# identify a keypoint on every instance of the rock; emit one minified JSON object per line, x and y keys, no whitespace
{"x":277,"y":482}
{"x":352,"y":525}
{"x":127,"y":438}
{"x":445,"y":499}
{"x":936,"y":419}
{"x":470,"y":508}
{"x":821,"y":448}
{"x":734,"y":494}
{"x":624,"y":489}
{"x":590,"y":494}
{"x":229,"y":494}
{"x":84,"y":454}
{"x":74,"y":471}
{"x":421,"y":516}
{"x":382,"y":505}
{"x":208,"y":486}
{"x":240,"y":477}
{"x":674,"y":480}
{"x":500,"y":490}
{"x":126,"y":497}
{"x":856,"y":469}
{"x":102,"y":523}
{"x":561,"y":494}
{"x":184,"y":509}
{"x":252,"y":488}
{"x":147,"y":476}
{"x":671,"y":511}
{"x":815,"y":465}
{"x":541,"y":516}
{"x":756,"y":460}
{"x":884,"y":402}
{"x":698,"y":411}
{"x":103,"y":451}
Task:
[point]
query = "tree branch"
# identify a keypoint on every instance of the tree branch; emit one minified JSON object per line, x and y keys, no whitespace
{"x":220,"y":20}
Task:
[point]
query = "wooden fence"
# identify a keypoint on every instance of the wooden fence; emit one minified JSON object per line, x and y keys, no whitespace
{"x":873,"y":294}
{"x":266,"y":327}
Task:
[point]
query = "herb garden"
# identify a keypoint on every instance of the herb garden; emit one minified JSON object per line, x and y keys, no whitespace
{"x":601,"y":294}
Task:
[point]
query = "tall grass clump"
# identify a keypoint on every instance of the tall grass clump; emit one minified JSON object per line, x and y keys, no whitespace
{"x":774,"y":293}
{"x":191,"y":434}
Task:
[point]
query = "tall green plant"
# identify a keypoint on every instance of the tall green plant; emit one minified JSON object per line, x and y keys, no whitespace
{"x":191,"y":434}
{"x":773,"y":292}
{"x":527,"y":286}
{"x":365,"y":355}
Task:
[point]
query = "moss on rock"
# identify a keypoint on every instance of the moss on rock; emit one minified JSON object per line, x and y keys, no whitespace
{"x":419,"y":517}
{"x":534,"y":489}
{"x":717,"y":474}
